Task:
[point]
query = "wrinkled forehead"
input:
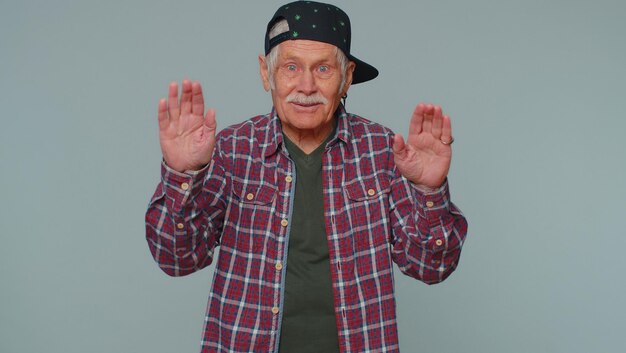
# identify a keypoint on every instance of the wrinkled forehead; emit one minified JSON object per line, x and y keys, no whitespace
{"x":307,"y":50}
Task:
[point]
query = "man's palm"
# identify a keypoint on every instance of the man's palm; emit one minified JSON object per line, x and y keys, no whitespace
{"x":187,"y":136}
{"x":424,"y":159}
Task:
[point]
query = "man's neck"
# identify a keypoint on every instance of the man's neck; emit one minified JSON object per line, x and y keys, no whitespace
{"x":309,"y":140}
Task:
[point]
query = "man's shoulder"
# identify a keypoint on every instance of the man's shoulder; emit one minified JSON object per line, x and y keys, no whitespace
{"x":250,"y":138}
{"x":361,"y":127}
{"x":248,"y":127}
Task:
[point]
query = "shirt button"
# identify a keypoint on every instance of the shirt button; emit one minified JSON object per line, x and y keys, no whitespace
{"x":275,"y":310}
{"x":288,"y":179}
{"x":279,"y":266}
{"x":180,"y":226}
{"x":284,"y":222}
{"x":430,"y":204}
{"x":184,"y":186}
{"x":438,"y":242}
{"x":250,"y":196}
{"x":371,"y":192}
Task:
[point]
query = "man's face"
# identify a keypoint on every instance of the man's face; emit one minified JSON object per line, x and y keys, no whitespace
{"x":307,"y":80}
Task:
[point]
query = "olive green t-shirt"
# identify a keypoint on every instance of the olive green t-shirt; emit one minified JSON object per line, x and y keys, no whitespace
{"x":308,"y":316}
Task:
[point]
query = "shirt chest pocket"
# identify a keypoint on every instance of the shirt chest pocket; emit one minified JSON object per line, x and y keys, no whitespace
{"x":366,"y":189}
{"x":367,"y":208}
{"x":251,"y":214}
{"x":251,"y":194}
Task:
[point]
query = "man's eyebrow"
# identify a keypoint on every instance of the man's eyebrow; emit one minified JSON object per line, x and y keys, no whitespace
{"x":316,"y":62}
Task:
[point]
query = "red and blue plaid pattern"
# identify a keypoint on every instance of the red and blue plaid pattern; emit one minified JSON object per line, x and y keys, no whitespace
{"x":242,"y":202}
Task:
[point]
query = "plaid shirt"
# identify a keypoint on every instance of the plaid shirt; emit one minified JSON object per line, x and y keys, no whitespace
{"x":243,"y":202}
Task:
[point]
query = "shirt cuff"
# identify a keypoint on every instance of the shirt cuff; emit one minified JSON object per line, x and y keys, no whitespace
{"x":433,"y":204}
{"x":180,"y":187}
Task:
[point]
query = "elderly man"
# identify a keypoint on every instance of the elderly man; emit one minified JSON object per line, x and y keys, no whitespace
{"x":310,"y":205}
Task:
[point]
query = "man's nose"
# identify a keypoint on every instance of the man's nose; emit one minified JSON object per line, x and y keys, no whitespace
{"x":306,"y":83}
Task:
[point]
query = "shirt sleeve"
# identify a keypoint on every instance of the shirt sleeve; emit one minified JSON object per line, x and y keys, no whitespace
{"x":184,"y":218}
{"x":428,"y":231}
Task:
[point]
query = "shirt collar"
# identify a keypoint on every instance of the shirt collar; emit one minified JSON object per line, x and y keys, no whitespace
{"x":343,"y":126}
{"x":274,"y":136}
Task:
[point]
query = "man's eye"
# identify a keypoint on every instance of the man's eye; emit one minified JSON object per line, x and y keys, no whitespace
{"x":324,"y":68}
{"x":291,"y":67}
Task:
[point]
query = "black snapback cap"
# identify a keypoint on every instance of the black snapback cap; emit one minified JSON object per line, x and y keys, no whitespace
{"x":319,"y":22}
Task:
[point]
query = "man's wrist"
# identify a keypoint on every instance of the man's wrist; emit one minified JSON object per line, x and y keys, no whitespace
{"x":425,"y":189}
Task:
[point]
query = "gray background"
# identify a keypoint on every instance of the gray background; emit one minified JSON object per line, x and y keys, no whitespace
{"x":535,"y":90}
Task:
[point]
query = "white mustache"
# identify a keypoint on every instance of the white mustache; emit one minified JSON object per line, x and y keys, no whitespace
{"x":300,"y":98}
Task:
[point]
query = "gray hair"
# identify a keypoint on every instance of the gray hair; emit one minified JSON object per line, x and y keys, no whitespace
{"x":282,"y":26}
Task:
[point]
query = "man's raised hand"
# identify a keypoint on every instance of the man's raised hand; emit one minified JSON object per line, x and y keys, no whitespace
{"x":425,"y":157}
{"x":186,"y":134}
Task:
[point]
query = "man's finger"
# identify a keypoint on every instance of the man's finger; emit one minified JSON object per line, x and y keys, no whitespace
{"x":399,"y":147}
{"x":197,"y":100}
{"x":437,"y":122}
{"x":415,"y":127}
{"x":427,"y":124}
{"x":185,"y":98}
{"x":446,"y":130}
{"x":172,"y":101}
{"x":163,"y":118}
{"x":209,"y":120}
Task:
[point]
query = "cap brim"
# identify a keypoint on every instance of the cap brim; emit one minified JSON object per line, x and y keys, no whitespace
{"x":362,"y":71}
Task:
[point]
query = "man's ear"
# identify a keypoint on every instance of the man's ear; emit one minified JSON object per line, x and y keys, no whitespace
{"x":349,"y":71}
{"x":264,"y":74}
